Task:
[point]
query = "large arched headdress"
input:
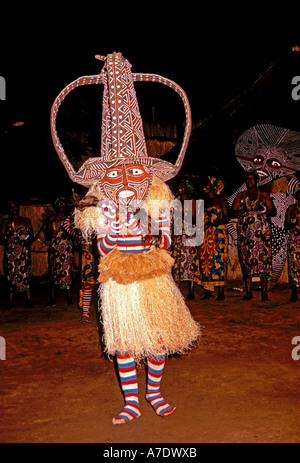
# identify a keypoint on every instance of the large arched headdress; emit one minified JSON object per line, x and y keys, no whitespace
{"x":273,"y":151}
{"x":122,"y":135}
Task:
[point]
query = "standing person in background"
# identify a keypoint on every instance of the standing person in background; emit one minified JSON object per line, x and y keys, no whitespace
{"x":274,"y":153}
{"x":253,"y":208}
{"x":184,"y":265}
{"x":292,"y":224}
{"x":88,"y":278}
{"x":61,"y":258}
{"x":213,"y":253}
{"x":88,"y":268}
{"x":17,"y":234}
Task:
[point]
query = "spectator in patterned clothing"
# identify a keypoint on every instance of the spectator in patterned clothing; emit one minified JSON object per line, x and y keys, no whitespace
{"x":17,"y":234}
{"x":184,"y":256}
{"x":88,"y":268}
{"x":88,"y":278}
{"x":253,"y":209}
{"x":292,"y":224}
{"x":61,"y":257}
{"x":273,"y":152}
{"x":211,"y":265}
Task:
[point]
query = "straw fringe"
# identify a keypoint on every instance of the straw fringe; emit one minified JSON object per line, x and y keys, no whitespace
{"x":126,"y":268}
{"x":90,"y":221}
{"x":141,"y":317}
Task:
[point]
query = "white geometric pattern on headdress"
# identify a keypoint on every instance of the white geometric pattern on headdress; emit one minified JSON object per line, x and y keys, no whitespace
{"x":279,"y":142}
{"x":122,"y":136}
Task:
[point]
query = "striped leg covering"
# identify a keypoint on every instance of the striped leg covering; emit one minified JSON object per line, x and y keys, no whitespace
{"x":153,"y":395}
{"x":128,"y":378}
{"x":86,"y":304}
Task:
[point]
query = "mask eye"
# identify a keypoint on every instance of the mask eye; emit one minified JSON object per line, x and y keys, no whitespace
{"x":114,"y":174}
{"x":258,"y":160}
{"x":274,"y":163}
{"x":135,"y":171}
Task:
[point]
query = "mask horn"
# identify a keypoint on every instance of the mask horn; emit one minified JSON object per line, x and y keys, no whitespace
{"x":188,"y":115}
{"x":74,"y":176}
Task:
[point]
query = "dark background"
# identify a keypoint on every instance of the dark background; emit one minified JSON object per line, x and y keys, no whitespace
{"x":214,"y":55}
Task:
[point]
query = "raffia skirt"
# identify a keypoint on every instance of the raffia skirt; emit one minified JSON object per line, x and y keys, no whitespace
{"x":142,"y":310}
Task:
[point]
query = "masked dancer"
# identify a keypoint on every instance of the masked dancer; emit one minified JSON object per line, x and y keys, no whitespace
{"x":144,"y":314}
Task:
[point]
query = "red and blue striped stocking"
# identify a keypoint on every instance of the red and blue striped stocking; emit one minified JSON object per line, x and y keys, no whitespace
{"x":153,"y":395}
{"x":86,"y":304}
{"x":128,"y":378}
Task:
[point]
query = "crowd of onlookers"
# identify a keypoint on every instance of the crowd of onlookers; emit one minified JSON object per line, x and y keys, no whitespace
{"x":205,"y":265}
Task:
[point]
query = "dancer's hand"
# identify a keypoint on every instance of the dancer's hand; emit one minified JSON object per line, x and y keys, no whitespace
{"x":109,"y":210}
{"x":151,"y":240}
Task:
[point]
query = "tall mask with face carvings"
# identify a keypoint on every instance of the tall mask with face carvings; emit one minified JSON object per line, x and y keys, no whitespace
{"x":124,"y":169}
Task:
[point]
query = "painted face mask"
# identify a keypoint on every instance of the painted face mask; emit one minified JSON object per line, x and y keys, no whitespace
{"x":272,"y":151}
{"x":127,"y":184}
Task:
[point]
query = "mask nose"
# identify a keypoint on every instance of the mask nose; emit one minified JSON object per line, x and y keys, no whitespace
{"x":124,"y":176}
{"x":264,"y":168}
{"x":264,"y":164}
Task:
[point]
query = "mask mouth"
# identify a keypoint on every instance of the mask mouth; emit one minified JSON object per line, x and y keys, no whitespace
{"x":262,"y":174}
{"x":264,"y":177}
{"x":126,"y":194}
{"x":126,"y":197}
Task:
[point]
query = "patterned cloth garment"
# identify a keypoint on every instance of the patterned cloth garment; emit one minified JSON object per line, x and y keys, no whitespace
{"x":17,"y":259}
{"x":282,"y":200}
{"x":88,"y":266}
{"x":61,"y":258}
{"x":211,"y":263}
{"x":184,"y":257}
{"x":254,"y":245}
{"x":294,"y":257}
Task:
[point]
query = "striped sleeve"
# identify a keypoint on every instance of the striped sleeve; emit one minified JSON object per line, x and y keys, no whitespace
{"x":165,"y":232}
{"x":133,"y":224}
{"x":106,"y":243}
{"x":69,"y":227}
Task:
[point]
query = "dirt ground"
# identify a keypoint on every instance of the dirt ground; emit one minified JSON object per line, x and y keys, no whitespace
{"x":239,"y":385}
